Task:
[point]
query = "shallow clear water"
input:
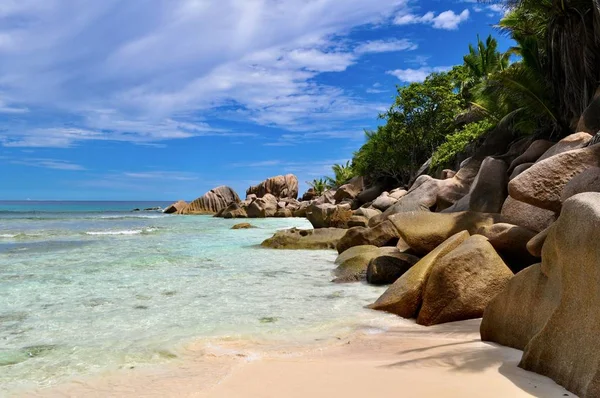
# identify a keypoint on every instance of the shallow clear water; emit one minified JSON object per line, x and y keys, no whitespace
{"x":84,"y":290}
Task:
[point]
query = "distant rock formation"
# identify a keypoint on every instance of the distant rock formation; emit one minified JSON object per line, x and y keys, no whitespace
{"x":280,"y":186}
{"x":176,"y":207}
{"x":212,"y":202}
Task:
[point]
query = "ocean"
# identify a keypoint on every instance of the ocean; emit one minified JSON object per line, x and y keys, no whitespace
{"x":87,"y":287}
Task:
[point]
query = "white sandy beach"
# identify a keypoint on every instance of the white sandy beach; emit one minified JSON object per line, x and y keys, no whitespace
{"x":407,"y":361}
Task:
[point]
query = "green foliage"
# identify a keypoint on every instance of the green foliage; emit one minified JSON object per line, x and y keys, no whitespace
{"x":457,"y":142}
{"x":342,"y":174}
{"x":483,"y":61}
{"x":318,"y":185}
{"x":418,"y":121}
{"x":554,"y":78}
{"x":559,"y":40}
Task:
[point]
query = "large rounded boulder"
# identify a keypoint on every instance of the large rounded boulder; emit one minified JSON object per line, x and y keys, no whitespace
{"x":405,"y":296}
{"x":350,"y":190}
{"x":279,"y":186}
{"x":328,"y":215}
{"x":424,"y":231}
{"x":262,"y":207}
{"x":488,"y":191}
{"x":384,"y":234}
{"x":212,"y":202}
{"x":526,"y":215}
{"x":552,"y":311}
{"x":463,"y":282}
{"x":428,"y":193}
{"x":387,"y":267}
{"x":543,"y":183}
{"x":176,"y":207}
{"x":352,"y":264}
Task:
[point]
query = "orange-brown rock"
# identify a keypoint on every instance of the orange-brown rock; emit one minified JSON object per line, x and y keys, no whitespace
{"x":428,"y":193}
{"x":569,"y":143}
{"x":305,"y":239}
{"x":532,"y":154}
{"x":265,"y":206}
{"x":176,"y":207}
{"x":586,"y":181}
{"x":405,"y":296}
{"x":387,"y":267}
{"x":543,"y":183}
{"x":424,"y":231}
{"x":349,"y":190}
{"x":590,"y":119}
{"x":526,"y":215}
{"x":384,"y":234}
{"x":463,"y":282}
{"x":212,"y":202}
{"x":488,"y":191}
{"x":279,"y":186}
{"x":552,"y":311}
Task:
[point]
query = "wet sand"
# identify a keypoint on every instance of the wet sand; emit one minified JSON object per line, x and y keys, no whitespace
{"x":407,"y":361}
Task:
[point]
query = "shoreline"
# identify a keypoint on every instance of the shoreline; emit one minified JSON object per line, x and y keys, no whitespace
{"x":448,"y":359}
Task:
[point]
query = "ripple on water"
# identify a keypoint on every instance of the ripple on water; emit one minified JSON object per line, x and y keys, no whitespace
{"x":13,"y":357}
{"x":13,"y":317}
{"x":115,"y":300}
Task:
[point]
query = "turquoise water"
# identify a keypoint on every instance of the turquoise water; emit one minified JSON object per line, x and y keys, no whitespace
{"x":87,"y":287}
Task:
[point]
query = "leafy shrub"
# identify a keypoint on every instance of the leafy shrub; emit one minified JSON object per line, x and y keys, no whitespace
{"x":457,"y":142}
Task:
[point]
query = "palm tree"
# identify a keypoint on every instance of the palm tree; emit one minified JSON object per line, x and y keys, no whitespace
{"x":482,"y":62}
{"x":318,"y":185}
{"x":567,"y":35}
{"x":342,"y":174}
{"x":485,"y":59}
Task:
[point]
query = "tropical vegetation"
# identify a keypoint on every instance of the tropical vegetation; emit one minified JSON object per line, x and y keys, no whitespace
{"x":342,"y":173}
{"x":318,"y":186}
{"x":539,"y":87}
{"x":553,"y":76}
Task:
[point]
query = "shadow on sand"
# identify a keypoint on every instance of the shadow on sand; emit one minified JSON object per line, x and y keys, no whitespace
{"x":469,"y":354}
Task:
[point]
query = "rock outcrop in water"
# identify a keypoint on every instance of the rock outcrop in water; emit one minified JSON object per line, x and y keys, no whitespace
{"x":295,"y":239}
{"x":212,"y":202}
{"x":176,"y":207}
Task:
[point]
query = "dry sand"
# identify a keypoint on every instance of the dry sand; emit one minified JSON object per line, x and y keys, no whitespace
{"x":408,"y":361}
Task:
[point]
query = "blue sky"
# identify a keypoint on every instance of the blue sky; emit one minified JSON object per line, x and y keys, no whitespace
{"x":165,"y":99}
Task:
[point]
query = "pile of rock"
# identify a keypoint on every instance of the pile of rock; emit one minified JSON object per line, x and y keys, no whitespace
{"x":211,"y":202}
{"x":550,"y":310}
{"x":274,"y":197}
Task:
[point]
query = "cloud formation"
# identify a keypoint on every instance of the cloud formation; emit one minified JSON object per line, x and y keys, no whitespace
{"x":416,"y":75}
{"x":145,"y":72}
{"x":447,"y":20}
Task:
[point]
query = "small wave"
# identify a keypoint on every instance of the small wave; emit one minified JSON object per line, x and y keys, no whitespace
{"x":21,"y":236}
{"x":127,"y":217}
{"x":124,"y":232}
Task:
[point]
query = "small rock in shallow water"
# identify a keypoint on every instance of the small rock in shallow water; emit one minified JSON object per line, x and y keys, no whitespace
{"x":243,"y":225}
{"x":268,"y":319}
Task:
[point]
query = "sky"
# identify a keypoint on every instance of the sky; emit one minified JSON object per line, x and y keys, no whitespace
{"x":166,"y":99}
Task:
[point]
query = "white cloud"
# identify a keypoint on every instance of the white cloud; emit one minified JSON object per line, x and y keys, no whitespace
{"x":416,"y":75}
{"x":380,"y":46}
{"x":493,"y":9}
{"x":305,"y":138}
{"x":162,"y":175}
{"x":161,"y":61}
{"x":48,"y":164}
{"x":447,"y":20}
